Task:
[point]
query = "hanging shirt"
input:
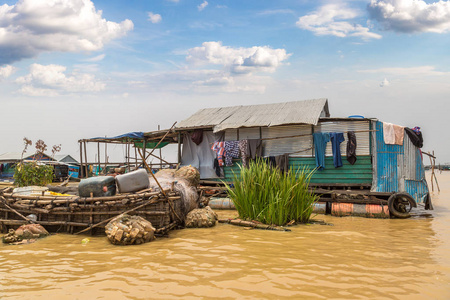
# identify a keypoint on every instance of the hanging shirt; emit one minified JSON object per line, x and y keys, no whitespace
{"x":218,"y":147}
{"x":243,"y":149}
{"x":336,"y":139}
{"x":231,"y":151}
{"x":320,"y":143}
{"x":351,"y":147}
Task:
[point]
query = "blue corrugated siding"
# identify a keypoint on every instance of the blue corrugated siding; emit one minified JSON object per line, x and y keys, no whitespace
{"x":399,"y":168}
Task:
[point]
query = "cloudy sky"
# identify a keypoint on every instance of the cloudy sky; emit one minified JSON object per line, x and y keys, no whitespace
{"x":72,"y":69}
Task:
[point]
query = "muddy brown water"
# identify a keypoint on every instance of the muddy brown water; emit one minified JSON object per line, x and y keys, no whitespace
{"x":356,"y":258}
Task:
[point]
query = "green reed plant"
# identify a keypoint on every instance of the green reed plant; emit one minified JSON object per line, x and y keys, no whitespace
{"x":265,"y":194}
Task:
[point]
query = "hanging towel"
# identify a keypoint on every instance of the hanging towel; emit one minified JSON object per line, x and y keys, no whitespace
{"x":231,"y":151}
{"x":336,"y":139}
{"x":320,"y":143}
{"x":415,"y":137}
{"x":218,"y":147}
{"x":197,"y":136}
{"x":351,"y":147}
{"x":393,"y":134}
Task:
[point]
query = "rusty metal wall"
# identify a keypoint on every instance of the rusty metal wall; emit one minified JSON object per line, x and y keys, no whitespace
{"x":398,"y":168}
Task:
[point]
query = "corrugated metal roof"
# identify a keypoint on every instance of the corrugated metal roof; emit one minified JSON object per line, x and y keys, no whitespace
{"x":263,"y":115}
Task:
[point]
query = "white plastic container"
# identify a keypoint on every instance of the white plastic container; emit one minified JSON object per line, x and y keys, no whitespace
{"x":133,"y":182}
{"x":30,"y":190}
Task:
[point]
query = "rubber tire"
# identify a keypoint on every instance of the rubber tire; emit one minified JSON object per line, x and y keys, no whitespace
{"x":396,"y":213}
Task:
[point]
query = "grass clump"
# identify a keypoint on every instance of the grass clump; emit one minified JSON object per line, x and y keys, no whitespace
{"x":265,"y":194}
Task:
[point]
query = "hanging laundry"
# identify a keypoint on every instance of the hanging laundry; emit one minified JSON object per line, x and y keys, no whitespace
{"x":254,"y":148}
{"x":351,"y":147}
{"x":282,"y":162}
{"x":393,"y":134}
{"x":219,"y":148}
{"x":270,"y":160}
{"x":320,"y":143}
{"x":217,"y":167}
{"x":197,"y":136}
{"x":243,"y":149}
{"x":336,"y":139}
{"x":415,"y":136}
{"x":231,"y":151}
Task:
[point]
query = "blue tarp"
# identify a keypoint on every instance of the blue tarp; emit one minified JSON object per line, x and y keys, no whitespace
{"x":130,"y":135}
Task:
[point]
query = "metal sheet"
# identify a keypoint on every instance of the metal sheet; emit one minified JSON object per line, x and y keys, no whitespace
{"x":398,"y":168}
{"x":275,"y":114}
{"x":362,"y":138}
{"x":298,"y":146}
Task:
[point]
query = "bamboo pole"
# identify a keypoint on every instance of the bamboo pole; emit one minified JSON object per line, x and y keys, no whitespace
{"x":243,"y":223}
{"x":150,"y":170}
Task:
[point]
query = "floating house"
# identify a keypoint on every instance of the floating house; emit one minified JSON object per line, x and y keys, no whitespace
{"x":379,"y":171}
{"x":296,"y":134}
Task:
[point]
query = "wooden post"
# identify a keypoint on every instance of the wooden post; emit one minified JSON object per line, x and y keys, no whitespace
{"x":179,"y":148}
{"x":98,"y":153}
{"x":86,"y":161}
{"x":135,"y":158}
{"x":81,"y":160}
{"x":144,"y":150}
{"x":160,"y":152}
{"x":128,"y":156}
{"x":106,"y":156}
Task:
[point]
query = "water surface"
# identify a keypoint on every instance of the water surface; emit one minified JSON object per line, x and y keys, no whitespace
{"x":356,"y":258}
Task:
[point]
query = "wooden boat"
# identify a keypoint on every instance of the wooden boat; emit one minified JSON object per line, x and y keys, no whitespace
{"x":73,"y":214}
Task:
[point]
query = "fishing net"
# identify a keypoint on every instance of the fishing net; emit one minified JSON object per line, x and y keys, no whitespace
{"x":201,"y":218}
{"x":129,"y":230}
{"x":25,"y":232}
{"x":184,"y":181}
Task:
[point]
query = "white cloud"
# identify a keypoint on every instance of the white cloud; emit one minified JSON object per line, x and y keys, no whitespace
{"x":202,"y":6}
{"x":385,"y":82}
{"x":6,"y":71}
{"x":96,"y":58}
{"x":332,"y":19}
{"x":31,"y":27}
{"x":238,"y":67}
{"x":238,"y":60}
{"x":411,"y":15}
{"x":411,"y":71}
{"x":154,"y":18}
{"x":51,"y":80}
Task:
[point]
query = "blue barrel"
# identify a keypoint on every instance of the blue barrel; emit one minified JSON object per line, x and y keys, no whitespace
{"x":100,"y":186}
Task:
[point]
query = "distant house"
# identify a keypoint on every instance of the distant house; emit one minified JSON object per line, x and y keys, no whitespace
{"x":62,"y":163}
{"x":66,"y":158}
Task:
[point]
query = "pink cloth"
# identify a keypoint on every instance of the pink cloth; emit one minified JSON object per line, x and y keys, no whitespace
{"x":393,"y":134}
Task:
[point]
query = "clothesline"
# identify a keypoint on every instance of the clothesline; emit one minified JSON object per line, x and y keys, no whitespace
{"x":300,"y":135}
{"x":293,"y":136}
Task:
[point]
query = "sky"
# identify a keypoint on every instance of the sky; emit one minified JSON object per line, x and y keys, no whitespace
{"x":74,"y":69}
